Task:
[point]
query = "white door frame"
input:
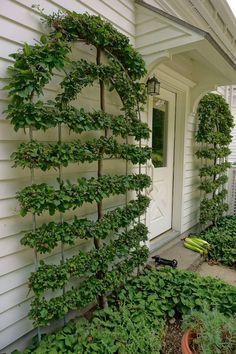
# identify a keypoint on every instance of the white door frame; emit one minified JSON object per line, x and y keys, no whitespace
{"x":176,"y":83}
{"x":162,"y":177}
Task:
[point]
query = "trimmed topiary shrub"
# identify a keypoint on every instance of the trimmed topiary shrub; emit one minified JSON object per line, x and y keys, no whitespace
{"x":215,"y":124}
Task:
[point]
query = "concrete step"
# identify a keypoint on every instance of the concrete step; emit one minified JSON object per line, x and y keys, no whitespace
{"x":218,"y":271}
{"x":175,"y":249}
{"x":193,"y":261}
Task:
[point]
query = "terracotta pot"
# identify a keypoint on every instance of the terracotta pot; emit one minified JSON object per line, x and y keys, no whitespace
{"x":186,"y":340}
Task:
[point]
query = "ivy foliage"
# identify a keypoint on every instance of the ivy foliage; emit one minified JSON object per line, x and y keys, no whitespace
{"x":44,"y":116}
{"x":215,"y":124}
{"x":45,"y":238}
{"x":40,"y":197}
{"x":214,"y":169}
{"x":43,"y":310}
{"x":99,"y":33}
{"x":213,"y":153}
{"x":86,"y":263}
{"x":215,"y":120}
{"x":209,"y":187}
{"x":117,"y":251}
{"x":34,"y":154}
{"x":33,"y":67}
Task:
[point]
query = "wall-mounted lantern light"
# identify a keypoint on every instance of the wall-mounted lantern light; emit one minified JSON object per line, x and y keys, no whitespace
{"x":153,"y":86}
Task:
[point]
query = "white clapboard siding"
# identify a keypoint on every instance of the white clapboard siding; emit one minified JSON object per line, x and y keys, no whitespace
{"x":20,"y":23}
{"x":16,"y":298}
{"x":15,"y":279}
{"x":191,"y":199}
{"x":117,"y":13}
{"x":8,"y":317}
{"x":11,"y":244}
{"x":19,"y":328}
{"x":191,"y":181}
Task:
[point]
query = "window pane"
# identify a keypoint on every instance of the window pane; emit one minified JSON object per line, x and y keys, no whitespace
{"x":159,"y":132}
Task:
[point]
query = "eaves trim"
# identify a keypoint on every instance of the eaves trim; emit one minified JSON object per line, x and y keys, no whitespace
{"x":189,"y":26}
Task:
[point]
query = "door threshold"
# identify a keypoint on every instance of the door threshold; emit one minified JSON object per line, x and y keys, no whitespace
{"x":161,"y":240}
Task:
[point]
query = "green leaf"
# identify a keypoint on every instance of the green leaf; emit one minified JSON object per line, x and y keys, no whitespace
{"x":58,"y":35}
{"x":171,"y":313}
{"x":26,"y":49}
{"x":43,"y":39}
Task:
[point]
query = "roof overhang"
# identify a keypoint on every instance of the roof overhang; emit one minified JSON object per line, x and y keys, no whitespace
{"x":161,"y":36}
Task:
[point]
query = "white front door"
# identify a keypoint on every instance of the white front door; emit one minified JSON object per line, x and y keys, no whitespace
{"x":162,"y":114}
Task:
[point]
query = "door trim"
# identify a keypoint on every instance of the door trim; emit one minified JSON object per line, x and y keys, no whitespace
{"x":175,"y":84}
{"x":161,"y":208}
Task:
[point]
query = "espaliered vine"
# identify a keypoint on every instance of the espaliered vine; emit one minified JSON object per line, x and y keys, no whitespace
{"x":84,"y":228}
{"x":215,"y":124}
{"x":40,"y":197}
{"x":52,"y":276}
{"x":45,"y":156}
{"x":43,"y":310}
{"x":117,"y":233}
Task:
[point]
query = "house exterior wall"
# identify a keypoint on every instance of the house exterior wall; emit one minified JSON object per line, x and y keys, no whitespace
{"x":229,"y":93}
{"x":153,"y":38}
{"x":20,"y":23}
{"x":191,"y":192}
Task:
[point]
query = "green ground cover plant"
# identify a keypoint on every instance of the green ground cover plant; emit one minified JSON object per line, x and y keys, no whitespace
{"x":223,"y":241}
{"x":138,"y":312}
{"x":111,"y":331}
{"x":170,"y":292}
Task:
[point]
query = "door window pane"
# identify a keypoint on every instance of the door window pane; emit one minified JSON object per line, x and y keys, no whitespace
{"x":159,"y":132}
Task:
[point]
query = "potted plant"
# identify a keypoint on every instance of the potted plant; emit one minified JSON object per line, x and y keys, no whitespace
{"x":208,"y":332}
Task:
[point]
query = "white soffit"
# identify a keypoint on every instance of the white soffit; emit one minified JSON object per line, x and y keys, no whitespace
{"x":161,"y":36}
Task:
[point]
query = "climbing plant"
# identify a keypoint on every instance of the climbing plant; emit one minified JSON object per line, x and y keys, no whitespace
{"x":117,"y":235}
{"x":215,"y":124}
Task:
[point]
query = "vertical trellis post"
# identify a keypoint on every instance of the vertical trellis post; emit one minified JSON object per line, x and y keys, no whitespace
{"x":36,"y":262}
{"x":60,"y":181}
{"x":139,"y":171}
{"x":102,"y":301}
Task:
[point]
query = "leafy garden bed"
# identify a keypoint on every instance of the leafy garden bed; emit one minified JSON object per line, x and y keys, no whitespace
{"x":223,"y":241}
{"x":136,"y":320}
